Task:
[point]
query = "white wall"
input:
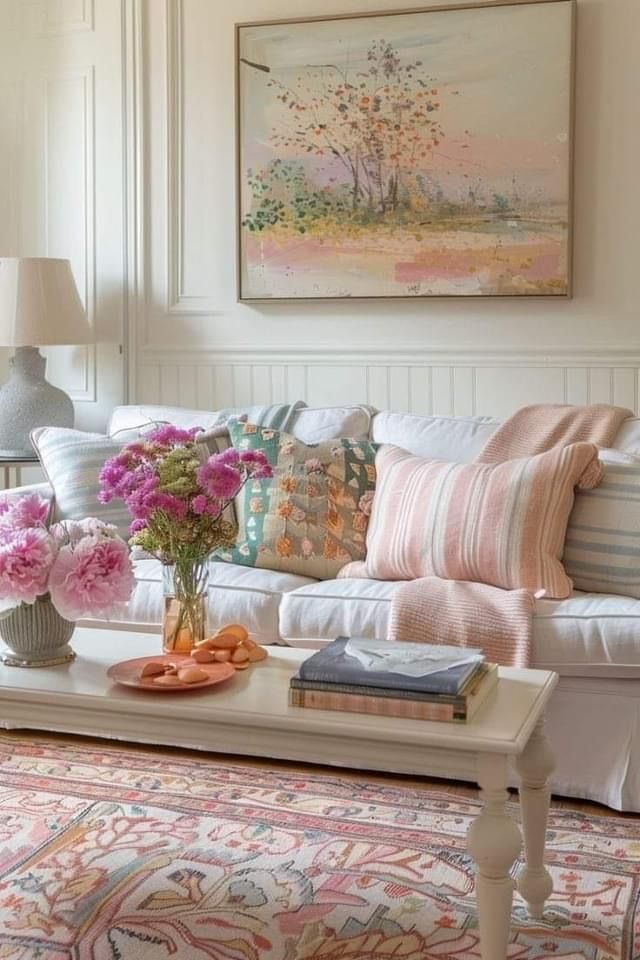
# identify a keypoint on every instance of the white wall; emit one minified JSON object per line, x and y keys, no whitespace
{"x":62,"y":176}
{"x":76,"y":76}
{"x":196,"y":345}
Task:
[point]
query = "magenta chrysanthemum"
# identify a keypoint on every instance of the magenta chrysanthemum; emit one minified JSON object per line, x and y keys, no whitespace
{"x":257,"y":464}
{"x":169,"y":435}
{"x":176,"y":501}
{"x":218,"y":479}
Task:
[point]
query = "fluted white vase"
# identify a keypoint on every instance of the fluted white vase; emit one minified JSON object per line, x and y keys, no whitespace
{"x":36,"y":635}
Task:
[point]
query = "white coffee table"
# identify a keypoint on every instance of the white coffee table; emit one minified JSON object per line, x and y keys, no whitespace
{"x":250,"y":715}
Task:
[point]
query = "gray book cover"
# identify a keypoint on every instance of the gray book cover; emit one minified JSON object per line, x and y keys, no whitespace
{"x":333,"y":665}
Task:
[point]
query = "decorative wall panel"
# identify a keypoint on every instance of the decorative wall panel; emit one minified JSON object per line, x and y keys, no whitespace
{"x":464,"y":386}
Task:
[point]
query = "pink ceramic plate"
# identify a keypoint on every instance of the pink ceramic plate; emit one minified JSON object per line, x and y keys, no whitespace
{"x":127,"y":673}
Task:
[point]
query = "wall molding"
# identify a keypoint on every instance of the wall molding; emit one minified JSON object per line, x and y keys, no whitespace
{"x":178,"y":300}
{"x":423,"y":382}
{"x":84,"y":22}
{"x":12,"y":149}
{"x":133,"y":194}
{"x":86,"y":78}
{"x":346,"y":355}
{"x":175,"y":141}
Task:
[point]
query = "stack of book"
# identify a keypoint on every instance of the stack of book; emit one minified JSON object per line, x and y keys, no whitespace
{"x":334,"y":679}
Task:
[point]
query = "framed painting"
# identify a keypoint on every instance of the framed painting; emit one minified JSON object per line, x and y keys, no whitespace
{"x":419,"y":153}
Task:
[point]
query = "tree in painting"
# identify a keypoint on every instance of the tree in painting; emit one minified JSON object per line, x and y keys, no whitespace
{"x":370,"y":174}
{"x":380,"y":127}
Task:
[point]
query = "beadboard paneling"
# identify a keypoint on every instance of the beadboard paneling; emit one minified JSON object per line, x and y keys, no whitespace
{"x":463,"y":387}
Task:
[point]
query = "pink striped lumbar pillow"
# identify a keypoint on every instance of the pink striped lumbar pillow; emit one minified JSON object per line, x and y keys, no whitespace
{"x":502,"y":524}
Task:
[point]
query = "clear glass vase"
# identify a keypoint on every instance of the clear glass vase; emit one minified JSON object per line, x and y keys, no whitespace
{"x":184,"y":610}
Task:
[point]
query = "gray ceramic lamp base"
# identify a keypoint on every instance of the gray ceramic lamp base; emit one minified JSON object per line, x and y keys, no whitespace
{"x":28,"y":401}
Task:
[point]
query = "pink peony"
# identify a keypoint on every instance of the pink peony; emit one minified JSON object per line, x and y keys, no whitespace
{"x":89,"y":578}
{"x":71,"y":531}
{"x":23,"y":513}
{"x":25,"y":563}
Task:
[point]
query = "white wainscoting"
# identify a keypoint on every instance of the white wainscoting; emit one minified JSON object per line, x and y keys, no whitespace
{"x":450,"y":384}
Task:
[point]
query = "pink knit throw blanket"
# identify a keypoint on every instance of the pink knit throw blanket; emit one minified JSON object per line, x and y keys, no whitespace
{"x":538,"y":428}
{"x":432,"y":610}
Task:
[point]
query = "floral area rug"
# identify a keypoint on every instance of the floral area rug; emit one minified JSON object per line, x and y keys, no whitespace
{"x":111,"y":854}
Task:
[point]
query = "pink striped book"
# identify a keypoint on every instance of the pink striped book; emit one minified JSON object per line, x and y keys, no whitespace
{"x":405,"y":708}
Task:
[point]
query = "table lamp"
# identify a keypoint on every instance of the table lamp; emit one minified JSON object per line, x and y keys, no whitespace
{"x":39,"y":306}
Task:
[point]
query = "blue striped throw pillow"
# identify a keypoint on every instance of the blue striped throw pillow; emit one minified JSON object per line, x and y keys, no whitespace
{"x":72,"y":461}
{"x":602,"y":548}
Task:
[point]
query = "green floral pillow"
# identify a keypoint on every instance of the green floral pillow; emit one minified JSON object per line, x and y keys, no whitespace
{"x":311,"y":517}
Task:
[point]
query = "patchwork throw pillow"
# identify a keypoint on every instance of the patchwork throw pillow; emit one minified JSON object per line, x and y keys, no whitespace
{"x":602,"y":549}
{"x":311,"y":517}
{"x":72,"y":461}
{"x":502,"y":524}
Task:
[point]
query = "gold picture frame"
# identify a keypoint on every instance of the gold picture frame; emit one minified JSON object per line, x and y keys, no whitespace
{"x":369,"y":217}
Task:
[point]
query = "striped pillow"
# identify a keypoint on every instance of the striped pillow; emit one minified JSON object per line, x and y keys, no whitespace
{"x":602,"y":550}
{"x":72,"y":461}
{"x":502,"y":524}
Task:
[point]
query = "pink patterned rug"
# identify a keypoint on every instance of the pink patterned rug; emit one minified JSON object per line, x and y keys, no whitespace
{"x":128,"y":855}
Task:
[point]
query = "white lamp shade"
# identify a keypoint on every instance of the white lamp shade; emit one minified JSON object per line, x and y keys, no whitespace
{"x":39,"y":304}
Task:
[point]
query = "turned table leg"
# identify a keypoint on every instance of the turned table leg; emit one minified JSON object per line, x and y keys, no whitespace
{"x":535,"y":765}
{"x":494,"y":842}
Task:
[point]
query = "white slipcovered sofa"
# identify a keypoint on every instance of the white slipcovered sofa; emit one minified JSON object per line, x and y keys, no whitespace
{"x":591,"y":640}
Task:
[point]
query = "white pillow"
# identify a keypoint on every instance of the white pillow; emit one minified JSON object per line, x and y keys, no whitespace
{"x":458,"y":439}
{"x":315,"y":424}
{"x":135,"y":416}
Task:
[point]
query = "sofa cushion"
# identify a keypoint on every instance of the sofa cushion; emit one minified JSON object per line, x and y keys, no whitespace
{"x":314,"y":424}
{"x":587,"y":635}
{"x":311,"y":516}
{"x":502,"y":524}
{"x":334,"y":608}
{"x":309,"y":424}
{"x":438,"y":438}
{"x":134,"y":416}
{"x":462,"y":438}
{"x":628,"y":436}
{"x":236,"y":595}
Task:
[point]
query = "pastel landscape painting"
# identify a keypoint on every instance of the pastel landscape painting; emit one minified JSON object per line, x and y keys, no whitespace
{"x":413,"y":154}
